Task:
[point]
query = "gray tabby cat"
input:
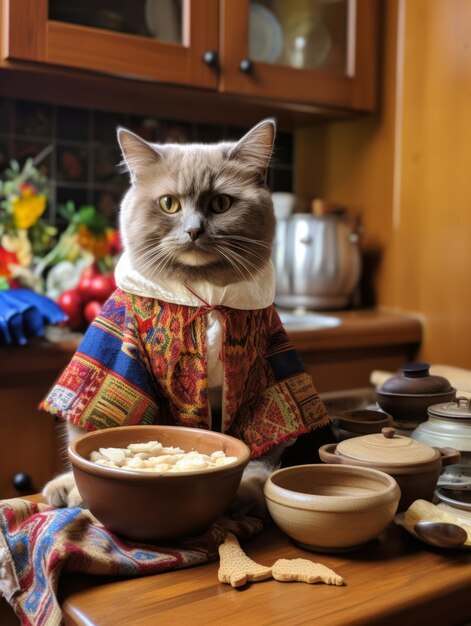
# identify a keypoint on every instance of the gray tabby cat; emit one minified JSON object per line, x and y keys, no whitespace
{"x":198,"y":215}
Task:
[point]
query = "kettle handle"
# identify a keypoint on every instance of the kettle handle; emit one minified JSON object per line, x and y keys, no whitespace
{"x":449,"y":456}
{"x":327,"y":453}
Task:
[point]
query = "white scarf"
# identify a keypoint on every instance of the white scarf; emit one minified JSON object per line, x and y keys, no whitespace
{"x":256,"y":293}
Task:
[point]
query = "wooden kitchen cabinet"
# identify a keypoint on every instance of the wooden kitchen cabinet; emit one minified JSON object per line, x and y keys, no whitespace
{"x":35,"y":36}
{"x":323,"y":52}
{"x":31,"y":449}
{"x":302,"y":52}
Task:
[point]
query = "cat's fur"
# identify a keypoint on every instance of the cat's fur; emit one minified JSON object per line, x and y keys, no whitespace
{"x":197,"y":243}
{"x":230,"y":246}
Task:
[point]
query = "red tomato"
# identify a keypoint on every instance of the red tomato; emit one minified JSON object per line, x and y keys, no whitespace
{"x":91,"y":310}
{"x":71,"y":303}
{"x":83,"y":286}
{"x":100,"y":287}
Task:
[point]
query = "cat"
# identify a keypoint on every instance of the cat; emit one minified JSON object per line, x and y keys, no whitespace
{"x":197,"y":225}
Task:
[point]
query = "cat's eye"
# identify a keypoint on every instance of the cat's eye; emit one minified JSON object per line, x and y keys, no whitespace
{"x":220,"y":204}
{"x":169,"y":204}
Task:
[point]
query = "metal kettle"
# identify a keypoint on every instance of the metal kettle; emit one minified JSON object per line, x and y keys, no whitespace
{"x":317,"y":258}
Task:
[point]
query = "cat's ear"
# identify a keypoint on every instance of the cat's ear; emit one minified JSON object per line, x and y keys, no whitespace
{"x":138,"y":154}
{"x":256,"y":147}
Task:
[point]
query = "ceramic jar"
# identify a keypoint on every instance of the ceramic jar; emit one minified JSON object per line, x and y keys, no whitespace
{"x":407,"y":397}
{"x":415,"y":465}
{"x":448,"y":424}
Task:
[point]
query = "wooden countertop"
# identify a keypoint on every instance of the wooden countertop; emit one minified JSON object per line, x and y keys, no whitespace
{"x":393,"y":580}
{"x":362,"y":328}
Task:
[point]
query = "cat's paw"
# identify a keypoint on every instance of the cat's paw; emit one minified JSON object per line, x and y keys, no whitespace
{"x":249,"y":499}
{"x":62,"y":491}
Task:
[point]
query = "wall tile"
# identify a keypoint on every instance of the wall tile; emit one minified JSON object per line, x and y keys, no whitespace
{"x":72,"y":163}
{"x":22,"y":149}
{"x":83,"y":163}
{"x":6,"y":115}
{"x":33,"y":118}
{"x":72,"y":124}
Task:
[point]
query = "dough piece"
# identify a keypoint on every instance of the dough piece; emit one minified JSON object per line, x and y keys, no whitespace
{"x":303,"y":570}
{"x":235,"y":567}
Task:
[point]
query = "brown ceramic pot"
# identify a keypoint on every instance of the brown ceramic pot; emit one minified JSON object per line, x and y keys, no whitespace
{"x":407,"y":397}
{"x":157,"y":507}
{"x":414,"y":465}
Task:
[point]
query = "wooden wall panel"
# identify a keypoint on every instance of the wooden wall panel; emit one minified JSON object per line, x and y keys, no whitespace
{"x":406,"y":171}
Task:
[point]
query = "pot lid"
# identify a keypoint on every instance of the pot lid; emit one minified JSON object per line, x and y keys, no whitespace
{"x":387,"y":448}
{"x":416,"y":379}
{"x":458,"y":409}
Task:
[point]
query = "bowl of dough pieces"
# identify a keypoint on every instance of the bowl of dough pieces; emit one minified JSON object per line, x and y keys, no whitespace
{"x":157,"y":483}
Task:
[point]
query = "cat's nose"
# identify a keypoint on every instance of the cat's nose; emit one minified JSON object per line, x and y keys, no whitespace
{"x":194,"y":233}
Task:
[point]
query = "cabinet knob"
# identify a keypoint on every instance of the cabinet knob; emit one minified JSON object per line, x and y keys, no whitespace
{"x":246,"y":66}
{"x":23,"y":483}
{"x":210,"y":57}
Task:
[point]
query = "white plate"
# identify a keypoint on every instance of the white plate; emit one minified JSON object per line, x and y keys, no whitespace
{"x":162,"y":20}
{"x":265,"y":35}
{"x":456,"y":499}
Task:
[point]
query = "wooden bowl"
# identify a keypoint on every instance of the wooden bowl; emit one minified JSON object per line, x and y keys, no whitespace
{"x":153,"y":507}
{"x":331,"y":507}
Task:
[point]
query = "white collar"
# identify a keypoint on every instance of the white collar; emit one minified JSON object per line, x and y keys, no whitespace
{"x":256,"y":293}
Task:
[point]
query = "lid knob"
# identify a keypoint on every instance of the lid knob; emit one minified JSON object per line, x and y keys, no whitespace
{"x":388,"y":432}
{"x":416,"y":370}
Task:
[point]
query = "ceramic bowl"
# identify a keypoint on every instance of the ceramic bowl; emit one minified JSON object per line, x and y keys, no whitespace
{"x":154,"y":507}
{"x":331,"y":508}
{"x":358,"y":422}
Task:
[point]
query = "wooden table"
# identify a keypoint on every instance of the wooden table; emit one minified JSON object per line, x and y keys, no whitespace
{"x":394,"y":580}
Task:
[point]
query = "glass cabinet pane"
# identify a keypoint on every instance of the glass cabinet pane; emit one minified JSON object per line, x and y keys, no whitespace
{"x":304,"y":34}
{"x":155,"y":19}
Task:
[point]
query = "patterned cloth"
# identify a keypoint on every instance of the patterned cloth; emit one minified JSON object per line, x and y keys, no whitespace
{"x":38,"y":542}
{"x":143,"y":361}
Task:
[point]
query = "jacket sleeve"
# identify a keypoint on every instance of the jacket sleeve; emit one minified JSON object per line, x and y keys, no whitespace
{"x":107,"y":382}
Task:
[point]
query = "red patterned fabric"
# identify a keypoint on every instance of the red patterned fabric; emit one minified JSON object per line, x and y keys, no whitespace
{"x":144,"y":361}
{"x":39,"y":542}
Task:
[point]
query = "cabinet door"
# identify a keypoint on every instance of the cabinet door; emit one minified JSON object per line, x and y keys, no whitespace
{"x":158,"y":40}
{"x":30,"y":451}
{"x":306,"y":51}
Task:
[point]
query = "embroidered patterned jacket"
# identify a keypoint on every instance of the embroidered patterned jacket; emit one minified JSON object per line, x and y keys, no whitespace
{"x":143,"y":361}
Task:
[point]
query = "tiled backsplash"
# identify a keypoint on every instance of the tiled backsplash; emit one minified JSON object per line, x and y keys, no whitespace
{"x":82,"y":151}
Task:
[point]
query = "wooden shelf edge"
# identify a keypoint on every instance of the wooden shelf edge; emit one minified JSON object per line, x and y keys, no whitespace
{"x":87,"y":89}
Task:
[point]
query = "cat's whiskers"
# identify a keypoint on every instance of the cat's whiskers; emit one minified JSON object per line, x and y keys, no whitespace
{"x":247,"y":250}
{"x":231,"y":261}
{"x":257,"y":242}
{"x":156,"y":257}
{"x":150,"y":256}
{"x":244,"y":260}
{"x":237,"y":261}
